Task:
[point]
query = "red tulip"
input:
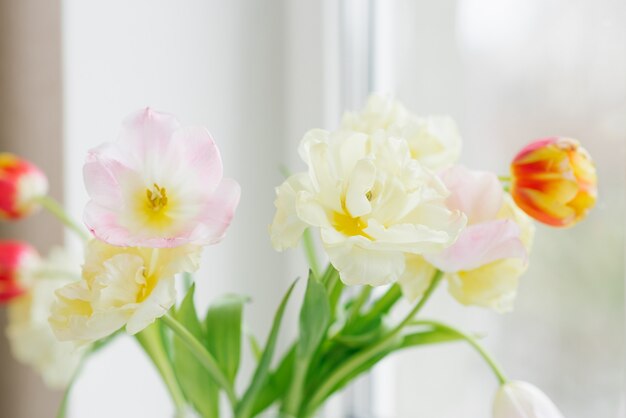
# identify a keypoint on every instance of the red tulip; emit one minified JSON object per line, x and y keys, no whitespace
{"x":21,"y":184}
{"x":15,"y":258}
{"x":554,"y":181}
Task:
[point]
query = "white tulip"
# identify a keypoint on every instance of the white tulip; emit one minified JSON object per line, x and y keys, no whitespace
{"x":433,"y":140}
{"x":31,"y":338}
{"x":371,"y":202}
{"x":523,"y":400}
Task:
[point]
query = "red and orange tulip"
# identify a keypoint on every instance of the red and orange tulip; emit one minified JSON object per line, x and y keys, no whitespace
{"x":554,"y":181}
{"x":21,"y":183}
{"x":15,"y":258}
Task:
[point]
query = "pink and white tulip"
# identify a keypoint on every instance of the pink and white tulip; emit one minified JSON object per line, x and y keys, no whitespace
{"x":484,"y":264}
{"x":479,"y":195}
{"x":158,"y":185}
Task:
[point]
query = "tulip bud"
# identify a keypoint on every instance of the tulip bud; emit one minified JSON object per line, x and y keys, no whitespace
{"x":523,"y":400}
{"x":21,"y":183}
{"x":554,"y":181}
{"x":16,"y":258}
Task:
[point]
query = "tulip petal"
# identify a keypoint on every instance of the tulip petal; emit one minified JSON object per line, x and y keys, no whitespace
{"x":481,"y":244}
{"x":287,"y":228}
{"x":359,"y":185}
{"x":523,"y":400}
{"x":161,"y":299}
{"x":145,"y":136}
{"x":491,"y":286}
{"x":359,"y":265}
{"x":478,"y":194}
{"x":416,"y":277}
{"x":218,"y":213}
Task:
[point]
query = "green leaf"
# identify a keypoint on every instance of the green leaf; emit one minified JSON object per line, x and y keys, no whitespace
{"x":314,"y":317}
{"x":196,"y":382}
{"x":245,"y":407}
{"x":257,"y":352}
{"x":277,"y":384}
{"x":434,"y":336}
{"x":426,"y":337}
{"x":314,"y":320}
{"x":366,"y":337}
{"x":223,"y":339}
{"x":152,"y":341}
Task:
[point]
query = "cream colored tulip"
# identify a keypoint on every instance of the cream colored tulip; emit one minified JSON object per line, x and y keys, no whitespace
{"x":120,"y":287}
{"x":433,"y":140}
{"x":371,"y":201}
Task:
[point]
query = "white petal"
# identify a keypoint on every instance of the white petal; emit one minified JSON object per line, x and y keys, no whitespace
{"x":287,"y":227}
{"x":360,"y":183}
{"x":358,"y":265}
{"x":523,"y":400}
{"x":416,"y":277}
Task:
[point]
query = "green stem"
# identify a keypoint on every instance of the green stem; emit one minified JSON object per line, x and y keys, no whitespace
{"x":57,"y":210}
{"x":150,"y":340}
{"x":504,"y":178}
{"x":497,"y":370}
{"x":294,"y":395}
{"x":354,"y":362}
{"x":203,"y":356}
{"x":310,"y":253}
{"x":385,"y":302}
{"x":358,"y":303}
{"x":427,"y":294}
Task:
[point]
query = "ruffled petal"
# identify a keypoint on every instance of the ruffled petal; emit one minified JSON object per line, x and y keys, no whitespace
{"x":287,"y":227}
{"x":161,"y":299}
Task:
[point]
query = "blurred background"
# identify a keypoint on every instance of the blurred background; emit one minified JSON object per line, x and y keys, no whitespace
{"x":261,"y":73}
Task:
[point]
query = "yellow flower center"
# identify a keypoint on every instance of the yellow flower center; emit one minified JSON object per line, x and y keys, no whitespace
{"x":155,"y":207}
{"x":157,"y":198}
{"x":350,"y":226}
{"x":146,"y":288}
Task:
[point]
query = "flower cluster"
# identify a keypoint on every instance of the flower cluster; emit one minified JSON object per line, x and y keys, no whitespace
{"x":392,"y":204}
{"x":157,"y":195}
{"x":389,"y":202}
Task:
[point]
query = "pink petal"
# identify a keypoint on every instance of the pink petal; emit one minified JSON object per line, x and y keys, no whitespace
{"x":201,"y":156}
{"x":478,"y":194}
{"x":217,"y":213}
{"x":103,"y":224}
{"x":481,"y":244}
{"x":147,"y":132}
{"x":102,"y":180}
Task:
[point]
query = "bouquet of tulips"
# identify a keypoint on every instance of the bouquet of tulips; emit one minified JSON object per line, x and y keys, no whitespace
{"x":383,"y":196}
